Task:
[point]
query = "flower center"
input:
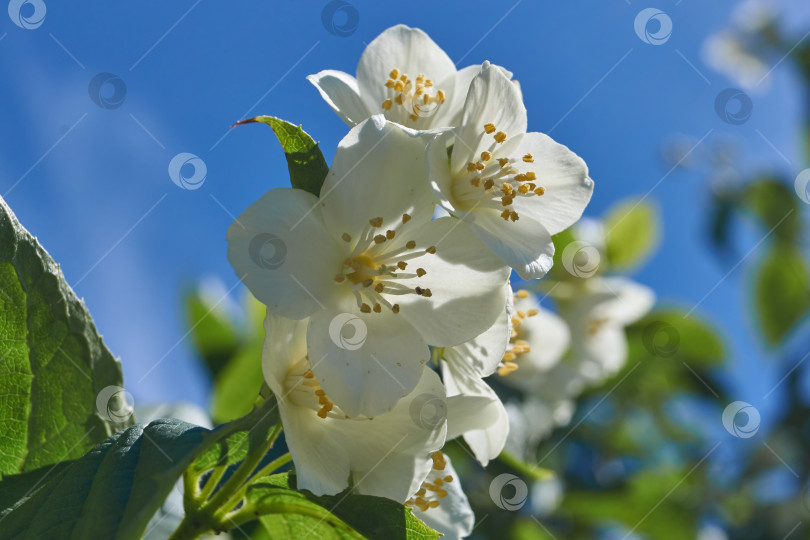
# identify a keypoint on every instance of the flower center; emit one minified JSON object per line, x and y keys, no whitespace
{"x":376,"y":265}
{"x":494,"y":182}
{"x":517,"y":345}
{"x":409,"y":99}
{"x":432,"y":490}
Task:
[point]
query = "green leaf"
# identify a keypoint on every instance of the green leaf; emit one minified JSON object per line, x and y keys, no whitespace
{"x":111,"y":492}
{"x":781,"y":292}
{"x":287,"y":513}
{"x":213,"y":333}
{"x":308,"y":168}
{"x":631,"y":232}
{"x":53,"y":363}
{"x":775,"y":204}
{"x":238,"y":384}
{"x":672,"y":334}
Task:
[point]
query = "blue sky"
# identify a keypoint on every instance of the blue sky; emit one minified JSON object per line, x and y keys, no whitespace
{"x":93,"y":184}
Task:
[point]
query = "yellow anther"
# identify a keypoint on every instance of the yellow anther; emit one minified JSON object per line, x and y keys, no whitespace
{"x":405,"y":218}
{"x":486,"y":156}
{"x":503,"y":162}
{"x":411,"y":244}
{"x":471,"y":167}
{"x":439,"y":93}
{"x":480,"y":166}
{"x":505,"y":215}
{"x":390,"y":234}
{"x":340,"y":278}
{"x":524,"y":189}
{"x":395,"y":308}
{"x":531,"y":176}
{"x":368,"y":282}
{"x":532,"y":312}
{"x":398,"y":100}
{"x":528,"y":158}
{"x":377,"y":308}
{"x":426,"y":100}
{"x":379,"y":287}
{"x":506,"y":200}
{"x":475,"y":181}
{"x":404,"y":78}
{"x":365,"y":308}
{"x":376,"y":222}
{"x":421,"y":272}
{"x":431,"y":250}
{"x":426,"y":293}
{"x":514,"y":216}
{"x":507,"y":188}
{"x":413,"y":117}
{"x":540,"y":191}
{"x":379,"y":239}
{"x":520,"y":178}
{"x":489,"y":128}
{"x":500,"y":137}
{"x":394,"y":73}
{"x":346,"y":237}
{"x":523,"y":293}
{"x":399,"y":86}
{"x":389,"y":83}
{"x":509,"y":356}
{"x":308,"y":374}
{"x":387,"y":104}
{"x":521,"y":314}
{"x":402,"y":265}
{"x":489,"y":183}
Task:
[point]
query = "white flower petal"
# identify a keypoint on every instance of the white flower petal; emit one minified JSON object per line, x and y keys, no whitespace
{"x":492,"y":98}
{"x":484,"y":353}
{"x":378,"y":171}
{"x":280,"y":249}
{"x":365,"y":362}
{"x":487,"y":435}
{"x":453,"y":518}
{"x":440,"y":179}
{"x":393,"y":459}
{"x":340,"y":91}
{"x":525,"y":245}
{"x":464,"y":78}
{"x":412,"y":52}
{"x":562,"y":174}
{"x":465,"y":280}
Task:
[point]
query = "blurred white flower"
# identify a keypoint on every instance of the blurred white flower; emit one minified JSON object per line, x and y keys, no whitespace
{"x":404,"y":75}
{"x":597,"y":311}
{"x":368,"y":251}
{"x":514,"y":189}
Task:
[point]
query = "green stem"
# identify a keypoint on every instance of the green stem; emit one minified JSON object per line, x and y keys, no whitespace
{"x":264,"y":471}
{"x":211,"y":484}
{"x":532,"y":471}
{"x":239,"y":477}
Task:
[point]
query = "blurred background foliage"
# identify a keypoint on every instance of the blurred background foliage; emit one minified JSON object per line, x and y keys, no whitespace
{"x":645,"y":454}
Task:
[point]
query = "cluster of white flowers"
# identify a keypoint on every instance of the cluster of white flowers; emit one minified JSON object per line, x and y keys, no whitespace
{"x":369,"y":293}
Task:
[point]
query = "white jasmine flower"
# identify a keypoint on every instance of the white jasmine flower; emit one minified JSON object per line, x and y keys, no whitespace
{"x":514,"y":189}
{"x":404,"y":75}
{"x":598,"y":311}
{"x":441,"y":503}
{"x":367,"y":255}
{"x":387,"y":455}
